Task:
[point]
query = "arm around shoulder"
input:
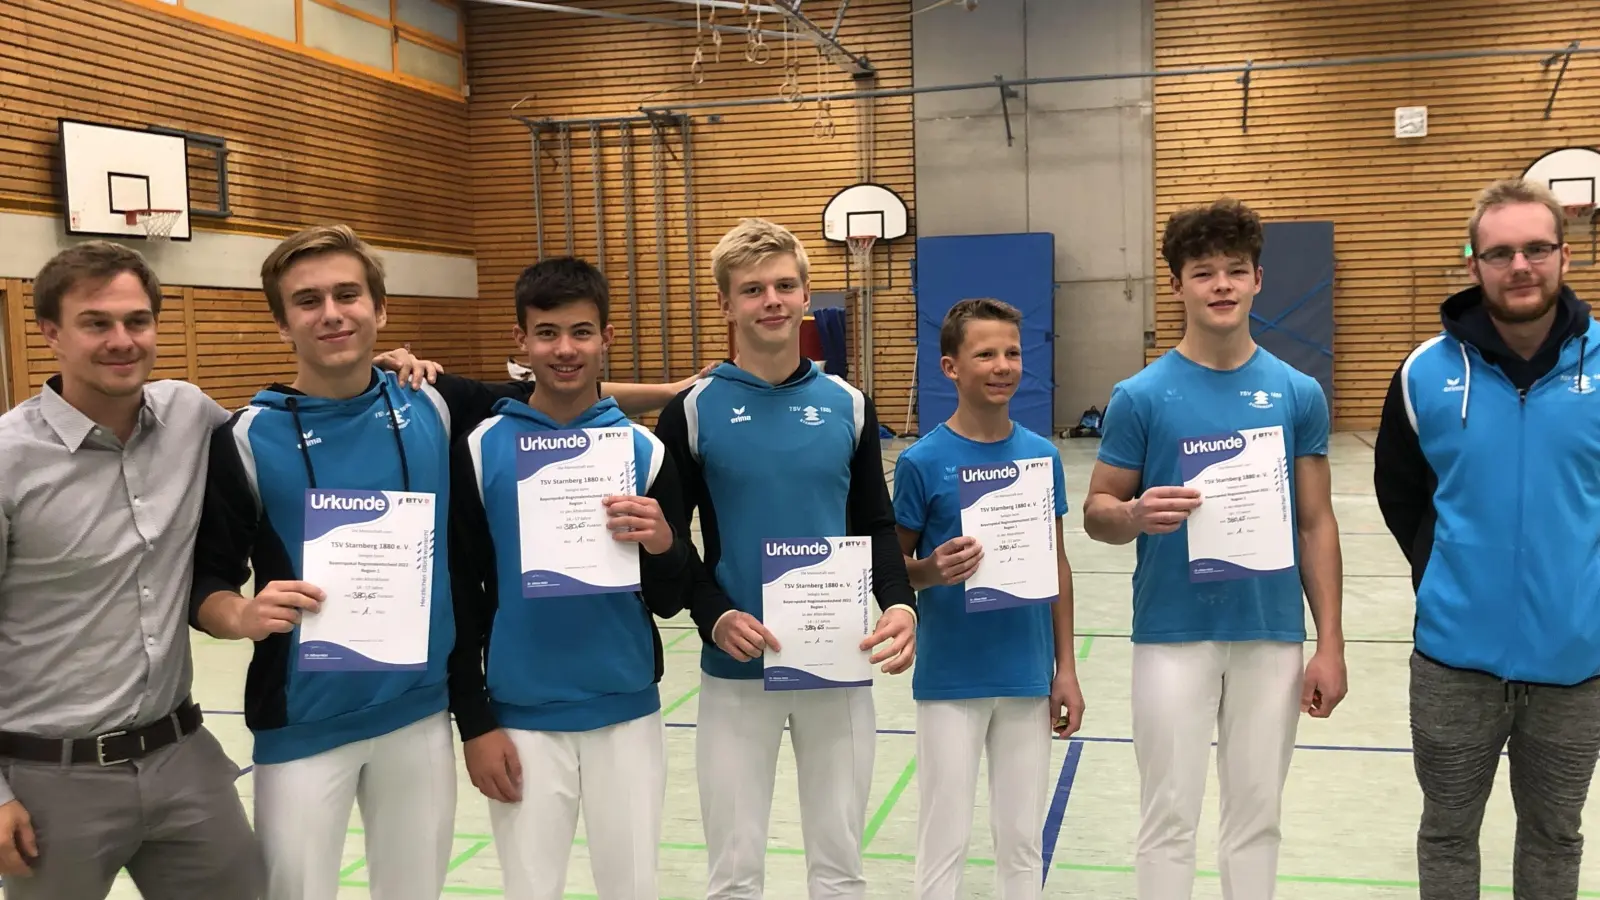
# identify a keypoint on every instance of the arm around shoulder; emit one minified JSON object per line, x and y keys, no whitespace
{"x":229,"y":520}
{"x":473,"y":591}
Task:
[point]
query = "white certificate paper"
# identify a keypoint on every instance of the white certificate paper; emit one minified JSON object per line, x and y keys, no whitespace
{"x":562,"y":476}
{"x":815,"y":599}
{"x":371,"y":554}
{"x":1243,"y":527}
{"x":1010,"y":509}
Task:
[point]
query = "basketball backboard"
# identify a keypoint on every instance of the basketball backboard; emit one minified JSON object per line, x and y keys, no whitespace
{"x":1573,"y":176}
{"x":1571,"y":173}
{"x":863,"y":210}
{"x":110,"y":172}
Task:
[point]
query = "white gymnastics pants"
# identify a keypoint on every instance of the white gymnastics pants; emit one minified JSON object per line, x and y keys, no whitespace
{"x":736,"y":757}
{"x":617,"y":776}
{"x":1249,"y":693}
{"x":952,"y":735}
{"x":405,"y":783}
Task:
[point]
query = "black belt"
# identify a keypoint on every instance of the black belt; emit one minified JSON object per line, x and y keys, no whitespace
{"x":106,"y":749}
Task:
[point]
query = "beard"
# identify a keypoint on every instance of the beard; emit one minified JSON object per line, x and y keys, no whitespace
{"x":1503,"y":311}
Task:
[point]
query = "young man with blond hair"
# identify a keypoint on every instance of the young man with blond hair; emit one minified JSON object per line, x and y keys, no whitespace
{"x":327,"y":739}
{"x":1218,"y":643}
{"x":993,"y":682}
{"x":1484,"y":423}
{"x":772,"y":448}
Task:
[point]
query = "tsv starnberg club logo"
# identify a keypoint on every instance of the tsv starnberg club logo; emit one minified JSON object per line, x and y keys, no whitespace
{"x":1261,"y":399}
{"x":1582,"y":384}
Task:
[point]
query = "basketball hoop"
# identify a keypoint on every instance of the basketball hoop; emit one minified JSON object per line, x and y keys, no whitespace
{"x":1579,"y":212}
{"x":158,"y":223}
{"x":861,"y":248}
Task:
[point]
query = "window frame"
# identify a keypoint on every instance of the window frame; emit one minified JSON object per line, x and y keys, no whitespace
{"x":398,"y":30}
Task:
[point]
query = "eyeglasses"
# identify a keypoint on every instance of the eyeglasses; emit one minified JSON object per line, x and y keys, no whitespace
{"x":1536,"y":252}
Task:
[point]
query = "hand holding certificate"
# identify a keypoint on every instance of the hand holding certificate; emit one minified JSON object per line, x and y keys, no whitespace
{"x":1243,"y":528}
{"x":1010,"y":509}
{"x":371,"y":554}
{"x":563,"y":478}
{"x":815,"y":599}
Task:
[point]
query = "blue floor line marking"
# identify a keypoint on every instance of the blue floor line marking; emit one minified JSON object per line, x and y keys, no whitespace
{"x":1058,"y":804}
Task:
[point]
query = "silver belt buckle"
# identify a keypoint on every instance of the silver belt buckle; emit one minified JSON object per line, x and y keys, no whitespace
{"x":100,"y":748}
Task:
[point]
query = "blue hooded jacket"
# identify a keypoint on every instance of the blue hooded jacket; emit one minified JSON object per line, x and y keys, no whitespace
{"x":1487,"y":470}
{"x":572,"y":663}
{"x":262,"y":462}
{"x":762,"y":461}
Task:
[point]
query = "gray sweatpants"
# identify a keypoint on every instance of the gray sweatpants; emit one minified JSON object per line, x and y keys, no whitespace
{"x":1460,"y":723}
{"x":172,"y":819}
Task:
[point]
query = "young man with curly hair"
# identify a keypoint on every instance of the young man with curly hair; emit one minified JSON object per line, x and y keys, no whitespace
{"x":1213,"y":655}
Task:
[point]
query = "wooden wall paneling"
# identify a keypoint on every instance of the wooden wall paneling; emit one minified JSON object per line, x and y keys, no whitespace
{"x":12,"y":333}
{"x":191,"y":339}
{"x":1320,"y":145}
{"x":308,"y":140}
{"x":749,"y":161}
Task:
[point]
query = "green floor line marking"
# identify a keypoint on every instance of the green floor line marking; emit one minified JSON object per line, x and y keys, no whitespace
{"x":1083,"y":649}
{"x":467,"y":854}
{"x":888,"y":803}
{"x":675,"y":641}
{"x":673,"y":706}
{"x":351,"y":869}
{"x":484,"y":842}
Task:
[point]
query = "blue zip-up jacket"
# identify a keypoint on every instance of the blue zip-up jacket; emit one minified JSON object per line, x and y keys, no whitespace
{"x":554,"y":663}
{"x":262,"y":462}
{"x":763,"y":461}
{"x":1485,"y":470}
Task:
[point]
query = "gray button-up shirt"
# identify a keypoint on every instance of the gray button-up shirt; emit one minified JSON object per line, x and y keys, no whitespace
{"x":96,"y":554}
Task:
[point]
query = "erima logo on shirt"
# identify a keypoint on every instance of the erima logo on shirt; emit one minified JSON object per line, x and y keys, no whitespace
{"x":972,"y":475}
{"x":738,"y":415}
{"x":348,"y":504}
{"x":781,"y":548}
{"x":1228,"y":443}
{"x":542,"y":442}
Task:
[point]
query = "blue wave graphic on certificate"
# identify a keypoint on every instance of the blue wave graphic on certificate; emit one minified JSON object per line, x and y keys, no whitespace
{"x":816,"y":600}
{"x":562,"y":479}
{"x":1010,"y":509}
{"x":371,"y":553}
{"x":1243,"y":527}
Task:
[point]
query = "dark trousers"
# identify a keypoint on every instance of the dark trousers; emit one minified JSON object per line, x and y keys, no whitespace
{"x":173,"y":819}
{"x":1460,"y":723}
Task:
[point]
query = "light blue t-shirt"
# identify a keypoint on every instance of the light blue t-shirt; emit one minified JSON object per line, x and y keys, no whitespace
{"x":1147,"y":417}
{"x":962,"y":655}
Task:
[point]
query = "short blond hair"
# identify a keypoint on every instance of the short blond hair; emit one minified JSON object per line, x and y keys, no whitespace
{"x":1508,"y":191}
{"x":752,"y":242}
{"x":316,"y":241}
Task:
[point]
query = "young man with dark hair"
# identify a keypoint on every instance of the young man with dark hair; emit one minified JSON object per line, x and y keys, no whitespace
{"x":772,"y":448}
{"x":991,"y":682}
{"x":555,"y":690}
{"x":1485,"y":423}
{"x":1218,"y":621}
{"x":106,"y":763}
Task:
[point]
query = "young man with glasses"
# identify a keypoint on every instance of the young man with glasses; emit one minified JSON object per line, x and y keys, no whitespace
{"x":1485,"y":472}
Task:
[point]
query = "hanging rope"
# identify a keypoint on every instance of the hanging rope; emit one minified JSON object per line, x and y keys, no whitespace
{"x":823,"y":126}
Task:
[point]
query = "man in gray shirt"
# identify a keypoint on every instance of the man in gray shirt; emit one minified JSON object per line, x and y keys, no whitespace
{"x":104,"y":762}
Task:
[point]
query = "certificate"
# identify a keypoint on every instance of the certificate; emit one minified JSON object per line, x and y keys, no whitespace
{"x":1243,"y":527}
{"x":815,"y":595}
{"x":1010,"y":509}
{"x":371,"y":554}
{"x":562,"y":477}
